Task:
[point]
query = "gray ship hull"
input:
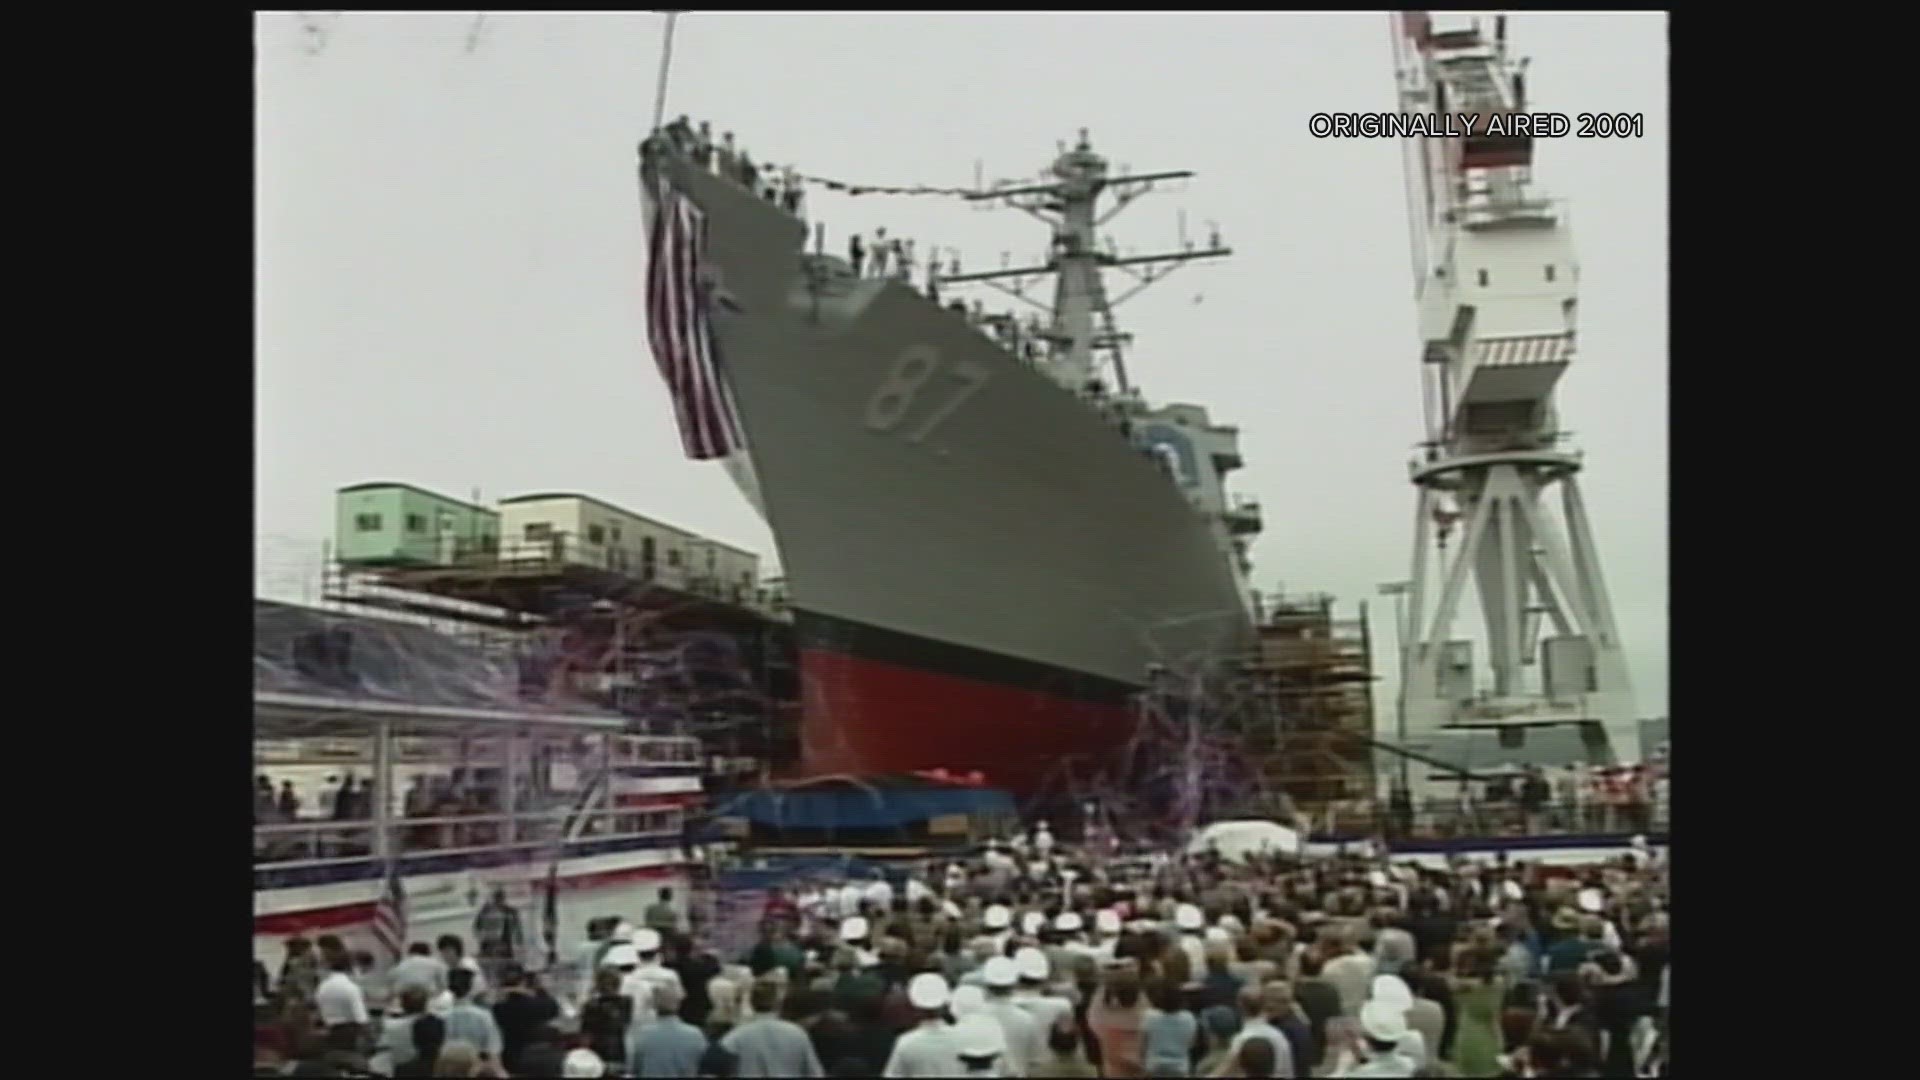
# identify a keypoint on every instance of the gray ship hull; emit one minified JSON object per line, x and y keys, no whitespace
{"x":982,"y":568}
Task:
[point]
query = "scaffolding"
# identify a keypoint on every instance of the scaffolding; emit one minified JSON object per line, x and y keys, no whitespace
{"x":1311,"y":730}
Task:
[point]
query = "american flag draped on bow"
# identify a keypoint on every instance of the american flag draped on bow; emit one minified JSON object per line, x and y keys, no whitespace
{"x":679,"y":326}
{"x":390,"y":916}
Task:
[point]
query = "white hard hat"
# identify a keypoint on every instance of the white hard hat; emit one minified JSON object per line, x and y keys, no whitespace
{"x":929,"y":991}
{"x":1383,"y":1022}
{"x":1230,"y":923}
{"x":582,"y":1062}
{"x":1032,"y":964}
{"x":866,"y":958}
{"x":622,"y":932}
{"x":853,"y":929}
{"x":951,"y":909}
{"x":1218,"y":933}
{"x":1068,"y":922}
{"x":622,"y":956}
{"x":1512,"y":890}
{"x":979,"y":1036}
{"x":1032,"y":923}
{"x":967,"y":998}
{"x":1591,"y":901}
{"x":998,"y":917}
{"x":1392,"y":990}
{"x":1188,"y":917}
{"x":1107,"y":921}
{"x":1377,"y":878}
{"x":646,"y":940}
{"x":1000,"y":972}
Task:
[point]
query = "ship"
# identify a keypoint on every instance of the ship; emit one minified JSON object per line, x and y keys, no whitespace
{"x":992,"y":541}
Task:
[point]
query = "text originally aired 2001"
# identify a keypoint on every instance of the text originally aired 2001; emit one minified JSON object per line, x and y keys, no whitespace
{"x":1545,"y":125}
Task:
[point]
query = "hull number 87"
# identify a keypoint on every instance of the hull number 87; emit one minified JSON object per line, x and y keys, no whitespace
{"x":921,"y":391}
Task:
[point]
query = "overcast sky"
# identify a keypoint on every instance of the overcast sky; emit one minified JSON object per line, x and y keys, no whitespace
{"x":449,"y":251}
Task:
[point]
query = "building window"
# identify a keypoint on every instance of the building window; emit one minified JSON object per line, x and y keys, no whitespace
{"x":615,"y":532}
{"x":366,"y":523}
{"x":416,"y":523}
{"x":1549,"y":273}
{"x":1483,"y":277}
{"x":596,"y":534}
{"x":710,"y":558}
{"x":646,"y":549}
{"x":673,"y":557}
{"x":539,"y":530}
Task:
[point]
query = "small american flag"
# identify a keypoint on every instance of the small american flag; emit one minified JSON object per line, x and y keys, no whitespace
{"x":679,"y":326}
{"x":390,"y":916}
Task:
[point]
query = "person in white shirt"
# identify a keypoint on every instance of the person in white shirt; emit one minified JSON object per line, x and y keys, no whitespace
{"x":982,"y":1048}
{"x":453,"y":953}
{"x":854,"y":932}
{"x":998,"y":922}
{"x":1191,"y":921}
{"x":1393,"y":992}
{"x":1073,"y":937}
{"x":338,"y":998}
{"x":1026,"y":1043}
{"x":929,"y":1049}
{"x":648,"y":974}
{"x":968,"y":998}
{"x":1383,"y":1029}
{"x":1593,"y":902}
{"x":1256,"y":1003}
{"x":1034,"y":970}
{"x":467,"y":1022}
{"x":1350,"y":972}
{"x":1043,"y":840}
{"x":1106,"y":932}
{"x":422,"y":969}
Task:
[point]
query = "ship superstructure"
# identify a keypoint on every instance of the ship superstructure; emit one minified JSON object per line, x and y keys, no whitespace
{"x":1497,"y":283}
{"x":1084,"y":350}
{"x":987,"y":547}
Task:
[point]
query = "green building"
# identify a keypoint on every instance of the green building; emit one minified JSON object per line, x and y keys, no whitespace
{"x":383,"y":524}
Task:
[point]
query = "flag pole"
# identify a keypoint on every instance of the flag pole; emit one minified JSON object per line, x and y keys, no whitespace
{"x":666,"y":63}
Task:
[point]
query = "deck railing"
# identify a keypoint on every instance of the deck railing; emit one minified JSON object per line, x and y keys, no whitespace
{"x":1451,"y":821}
{"x":325,"y":843}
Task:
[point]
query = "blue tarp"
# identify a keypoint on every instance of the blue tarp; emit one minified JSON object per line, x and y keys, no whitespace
{"x":847,"y":805}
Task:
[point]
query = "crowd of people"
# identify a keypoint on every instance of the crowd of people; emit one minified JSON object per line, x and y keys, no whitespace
{"x":1048,"y":963}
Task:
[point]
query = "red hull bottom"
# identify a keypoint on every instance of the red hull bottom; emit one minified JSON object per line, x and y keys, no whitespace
{"x":867,"y":717}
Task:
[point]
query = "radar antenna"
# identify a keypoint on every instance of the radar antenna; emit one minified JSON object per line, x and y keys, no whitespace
{"x":1083,"y":336}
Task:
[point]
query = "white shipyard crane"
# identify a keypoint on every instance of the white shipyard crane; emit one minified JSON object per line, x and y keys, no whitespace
{"x":1496,"y":285}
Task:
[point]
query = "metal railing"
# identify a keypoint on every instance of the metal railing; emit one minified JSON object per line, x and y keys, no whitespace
{"x":326,"y":843}
{"x":1450,"y":821}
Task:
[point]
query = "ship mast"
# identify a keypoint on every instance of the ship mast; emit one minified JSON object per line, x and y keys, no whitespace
{"x":1082,"y":336}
